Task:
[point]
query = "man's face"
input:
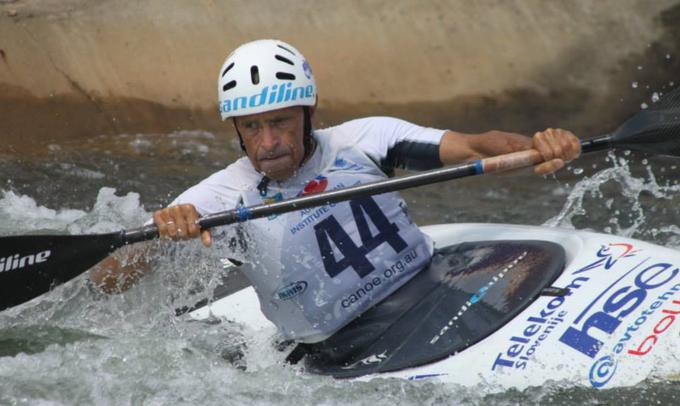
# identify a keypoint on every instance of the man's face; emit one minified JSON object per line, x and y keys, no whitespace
{"x":274,"y":141}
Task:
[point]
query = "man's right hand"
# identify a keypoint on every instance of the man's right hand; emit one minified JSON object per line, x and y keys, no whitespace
{"x":180,"y":223}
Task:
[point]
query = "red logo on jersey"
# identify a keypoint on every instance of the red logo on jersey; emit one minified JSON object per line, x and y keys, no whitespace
{"x":317,"y":185}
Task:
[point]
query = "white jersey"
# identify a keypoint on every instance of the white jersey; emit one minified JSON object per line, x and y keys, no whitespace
{"x":317,"y":269}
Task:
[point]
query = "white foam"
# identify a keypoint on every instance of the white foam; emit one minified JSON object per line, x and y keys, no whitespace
{"x":21,"y":214}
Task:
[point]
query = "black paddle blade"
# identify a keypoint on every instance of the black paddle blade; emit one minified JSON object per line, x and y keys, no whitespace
{"x":655,"y":130}
{"x":31,"y":265}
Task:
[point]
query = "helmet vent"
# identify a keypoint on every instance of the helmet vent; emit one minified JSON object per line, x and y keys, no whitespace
{"x":254,"y":74}
{"x":285,"y":76}
{"x":229,"y":85}
{"x":231,"y":65}
{"x":284,"y":59}
{"x":285,"y":49}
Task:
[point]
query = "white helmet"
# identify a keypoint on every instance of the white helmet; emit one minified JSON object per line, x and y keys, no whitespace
{"x":264,"y":75}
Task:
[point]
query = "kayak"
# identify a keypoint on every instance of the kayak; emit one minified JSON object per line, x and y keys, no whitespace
{"x":518,"y":306}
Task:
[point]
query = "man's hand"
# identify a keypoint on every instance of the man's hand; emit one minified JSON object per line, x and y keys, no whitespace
{"x":557,"y":148}
{"x":180,"y":223}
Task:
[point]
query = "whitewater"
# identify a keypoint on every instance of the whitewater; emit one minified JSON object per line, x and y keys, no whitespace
{"x":76,"y":345}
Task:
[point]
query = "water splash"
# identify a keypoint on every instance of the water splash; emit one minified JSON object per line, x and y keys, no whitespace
{"x":184,"y":273}
{"x":616,"y":201}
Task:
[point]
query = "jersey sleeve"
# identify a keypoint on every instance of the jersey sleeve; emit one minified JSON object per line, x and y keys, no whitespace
{"x":395,"y":143}
{"x":218,"y":192}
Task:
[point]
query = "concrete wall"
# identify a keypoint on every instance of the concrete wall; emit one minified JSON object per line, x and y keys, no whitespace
{"x":69,"y":68}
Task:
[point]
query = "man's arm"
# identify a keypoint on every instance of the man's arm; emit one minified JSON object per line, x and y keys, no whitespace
{"x":120,"y":271}
{"x":555,"y":145}
{"x":396,"y":143}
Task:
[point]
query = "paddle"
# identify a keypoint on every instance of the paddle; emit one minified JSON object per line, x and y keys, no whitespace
{"x":31,"y":265}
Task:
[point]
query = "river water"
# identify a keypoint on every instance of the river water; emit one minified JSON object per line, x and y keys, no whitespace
{"x":77,"y":346}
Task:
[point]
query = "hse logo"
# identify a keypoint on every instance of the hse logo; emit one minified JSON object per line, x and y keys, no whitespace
{"x":16,"y":261}
{"x":604,"y":315}
{"x":277,"y":94}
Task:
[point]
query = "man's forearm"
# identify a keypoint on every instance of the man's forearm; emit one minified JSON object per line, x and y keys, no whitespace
{"x":120,"y":271}
{"x":458,"y":147}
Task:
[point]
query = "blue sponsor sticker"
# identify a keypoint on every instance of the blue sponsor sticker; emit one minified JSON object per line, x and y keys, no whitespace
{"x":292,"y":290}
{"x":307,"y":69}
{"x":602,"y":371}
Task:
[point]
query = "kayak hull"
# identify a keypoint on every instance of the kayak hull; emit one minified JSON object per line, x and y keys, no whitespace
{"x":615,"y":327}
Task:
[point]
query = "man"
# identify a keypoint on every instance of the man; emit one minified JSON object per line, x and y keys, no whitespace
{"x":318,"y":269}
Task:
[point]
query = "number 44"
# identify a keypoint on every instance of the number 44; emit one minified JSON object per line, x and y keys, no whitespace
{"x":329,"y":230}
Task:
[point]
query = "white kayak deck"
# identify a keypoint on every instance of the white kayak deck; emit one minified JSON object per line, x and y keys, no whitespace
{"x":617,"y":327}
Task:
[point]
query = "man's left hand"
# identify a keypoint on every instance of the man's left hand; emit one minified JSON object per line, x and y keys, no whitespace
{"x":557,"y":147}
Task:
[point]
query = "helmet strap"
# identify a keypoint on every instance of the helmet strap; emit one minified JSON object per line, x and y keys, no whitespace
{"x":240,"y":138}
{"x":308,"y":140}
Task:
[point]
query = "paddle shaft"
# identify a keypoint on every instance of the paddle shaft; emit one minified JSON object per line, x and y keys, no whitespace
{"x":31,"y":265}
{"x":515,"y":160}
